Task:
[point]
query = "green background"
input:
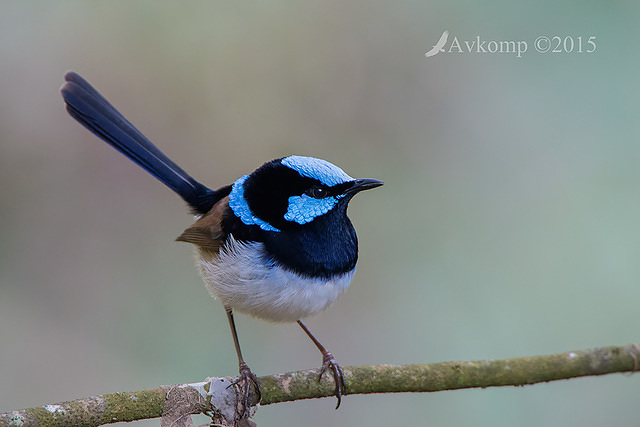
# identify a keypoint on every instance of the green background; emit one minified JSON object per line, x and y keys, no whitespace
{"x":508,"y":224}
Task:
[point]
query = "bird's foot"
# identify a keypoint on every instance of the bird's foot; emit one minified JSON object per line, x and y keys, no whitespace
{"x":329,"y":363}
{"x":243,"y":386}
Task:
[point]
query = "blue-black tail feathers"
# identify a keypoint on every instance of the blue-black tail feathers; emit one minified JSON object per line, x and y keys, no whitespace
{"x":92,"y":110}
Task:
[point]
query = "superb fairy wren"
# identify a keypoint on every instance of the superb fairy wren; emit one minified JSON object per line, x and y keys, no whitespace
{"x":276,"y":244}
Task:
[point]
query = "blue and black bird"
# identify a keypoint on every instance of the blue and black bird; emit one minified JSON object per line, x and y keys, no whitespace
{"x":276,"y":244}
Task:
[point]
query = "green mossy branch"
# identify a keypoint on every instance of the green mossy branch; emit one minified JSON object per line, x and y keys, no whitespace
{"x":197,"y":397}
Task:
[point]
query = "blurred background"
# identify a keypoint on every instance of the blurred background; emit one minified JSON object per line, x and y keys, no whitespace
{"x":508,"y":223}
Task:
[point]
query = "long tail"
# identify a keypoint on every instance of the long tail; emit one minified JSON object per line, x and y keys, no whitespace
{"x":93,"y":111}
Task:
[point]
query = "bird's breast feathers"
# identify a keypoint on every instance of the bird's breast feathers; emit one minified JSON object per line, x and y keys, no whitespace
{"x":244,"y":278}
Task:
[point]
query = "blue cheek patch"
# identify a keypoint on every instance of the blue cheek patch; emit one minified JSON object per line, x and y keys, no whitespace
{"x":304,"y":209}
{"x":241,"y":209}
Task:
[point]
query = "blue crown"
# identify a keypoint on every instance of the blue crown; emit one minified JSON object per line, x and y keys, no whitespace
{"x":325,"y":172}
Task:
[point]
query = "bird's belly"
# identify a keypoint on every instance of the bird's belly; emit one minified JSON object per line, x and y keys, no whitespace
{"x":244,"y":280}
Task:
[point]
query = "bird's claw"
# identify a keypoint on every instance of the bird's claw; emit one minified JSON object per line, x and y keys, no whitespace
{"x":243,"y":383}
{"x":328,"y":362}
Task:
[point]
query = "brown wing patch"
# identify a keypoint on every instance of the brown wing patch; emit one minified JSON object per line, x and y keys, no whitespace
{"x":206,"y":232}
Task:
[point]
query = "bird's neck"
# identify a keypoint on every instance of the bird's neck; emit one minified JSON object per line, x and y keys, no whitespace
{"x":323,"y":248}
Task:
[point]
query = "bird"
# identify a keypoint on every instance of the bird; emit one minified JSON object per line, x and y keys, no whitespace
{"x":438,"y":47}
{"x":276,"y":244}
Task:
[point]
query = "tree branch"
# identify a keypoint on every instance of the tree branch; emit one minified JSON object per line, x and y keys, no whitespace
{"x":176,"y":403}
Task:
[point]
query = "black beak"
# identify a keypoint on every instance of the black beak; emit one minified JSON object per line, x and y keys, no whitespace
{"x":362,"y":184}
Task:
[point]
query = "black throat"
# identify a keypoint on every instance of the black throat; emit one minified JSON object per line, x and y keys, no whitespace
{"x":323,"y":248}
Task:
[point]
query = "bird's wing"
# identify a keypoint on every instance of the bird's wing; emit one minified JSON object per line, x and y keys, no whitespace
{"x":206,"y":232}
{"x":443,"y":40}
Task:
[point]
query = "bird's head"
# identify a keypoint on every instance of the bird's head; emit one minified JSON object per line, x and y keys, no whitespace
{"x":290,"y":192}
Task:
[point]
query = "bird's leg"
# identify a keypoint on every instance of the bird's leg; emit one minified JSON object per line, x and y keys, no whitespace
{"x":246,"y":376}
{"x":328,"y":362}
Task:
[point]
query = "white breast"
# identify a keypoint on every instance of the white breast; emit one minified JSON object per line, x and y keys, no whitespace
{"x":243,"y":278}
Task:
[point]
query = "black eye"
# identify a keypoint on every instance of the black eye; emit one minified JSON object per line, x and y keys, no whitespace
{"x":317,"y":192}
